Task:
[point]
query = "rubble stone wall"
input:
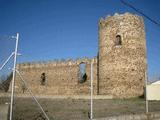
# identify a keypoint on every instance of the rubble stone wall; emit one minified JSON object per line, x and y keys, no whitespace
{"x":122,"y":67}
{"x":61,"y":77}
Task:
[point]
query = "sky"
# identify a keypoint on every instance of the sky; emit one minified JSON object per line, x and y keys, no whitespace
{"x":64,"y":29}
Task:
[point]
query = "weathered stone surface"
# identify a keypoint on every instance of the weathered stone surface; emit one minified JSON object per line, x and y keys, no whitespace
{"x":122,"y":68}
{"x":61,"y":78}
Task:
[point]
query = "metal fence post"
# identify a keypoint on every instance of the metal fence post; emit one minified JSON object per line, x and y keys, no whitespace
{"x":91,"y":114}
{"x":13,"y":79}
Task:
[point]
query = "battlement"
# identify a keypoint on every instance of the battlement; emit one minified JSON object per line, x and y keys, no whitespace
{"x":105,"y":20}
{"x":62,"y":62}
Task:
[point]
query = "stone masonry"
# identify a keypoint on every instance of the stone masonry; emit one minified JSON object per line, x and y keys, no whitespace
{"x":61,"y":77}
{"x":122,"y":67}
{"x":119,"y":69}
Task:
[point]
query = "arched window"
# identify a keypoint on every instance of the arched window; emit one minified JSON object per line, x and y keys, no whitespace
{"x":43,"y":79}
{"x":82,"y":76}
{"x":118,"y":40}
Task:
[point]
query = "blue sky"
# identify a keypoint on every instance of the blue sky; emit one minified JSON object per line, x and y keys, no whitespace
{"x":55,"y":29}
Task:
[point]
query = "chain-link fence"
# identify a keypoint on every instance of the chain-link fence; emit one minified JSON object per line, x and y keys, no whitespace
{"x":9,"y":98}
{"x":59,"y":89}
{"x":6,"y":61}
{"x":6,"y":65}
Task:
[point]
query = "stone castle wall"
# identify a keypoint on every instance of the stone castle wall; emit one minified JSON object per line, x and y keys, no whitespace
{"x":122,"y":67}
{"x":61,"y":77}
{"x":119,"y":70}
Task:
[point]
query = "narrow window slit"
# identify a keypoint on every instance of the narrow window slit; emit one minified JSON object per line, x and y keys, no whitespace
{"x":118,"y":40}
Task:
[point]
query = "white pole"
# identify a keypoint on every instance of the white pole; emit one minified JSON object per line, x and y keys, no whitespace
{"x":91,"y":114}
{"x":13,"y":78}
{"x":146,"y":83}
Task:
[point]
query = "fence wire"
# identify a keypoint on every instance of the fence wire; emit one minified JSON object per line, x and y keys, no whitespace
{"x":6,"y":65}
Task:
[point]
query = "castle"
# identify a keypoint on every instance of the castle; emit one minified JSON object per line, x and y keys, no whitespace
{"x":118,"y":70}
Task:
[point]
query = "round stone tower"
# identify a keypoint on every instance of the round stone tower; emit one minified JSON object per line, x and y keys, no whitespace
{"x":122,"y":56}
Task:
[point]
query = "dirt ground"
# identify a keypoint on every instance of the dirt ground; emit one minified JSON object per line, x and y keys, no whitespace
{"x":77,"y":109}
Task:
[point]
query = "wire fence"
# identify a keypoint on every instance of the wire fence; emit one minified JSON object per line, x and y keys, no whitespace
{"x":6,"y":49}
{"x":47,"y":91}
{"x":8,"y":71}
{"x":6,"y":63}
